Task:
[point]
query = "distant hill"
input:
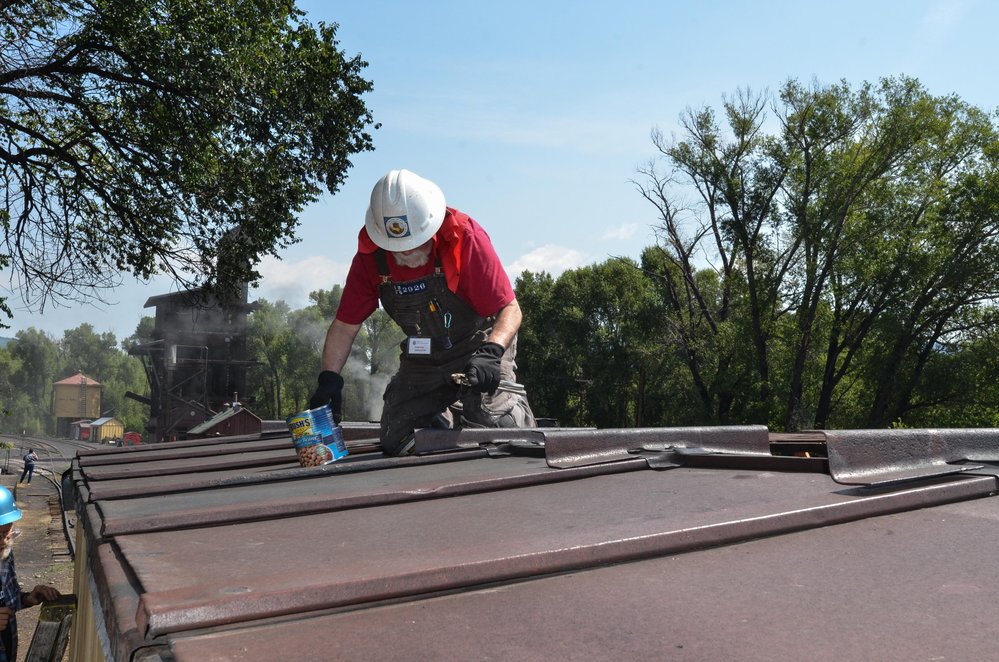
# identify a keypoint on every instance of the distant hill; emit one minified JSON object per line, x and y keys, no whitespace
{"x":4,"y":341}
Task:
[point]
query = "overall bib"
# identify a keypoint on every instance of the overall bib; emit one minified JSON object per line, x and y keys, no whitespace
{"x":442,"y":333}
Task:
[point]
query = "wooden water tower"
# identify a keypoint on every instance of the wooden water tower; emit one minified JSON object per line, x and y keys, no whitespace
{"x":75,"y":398}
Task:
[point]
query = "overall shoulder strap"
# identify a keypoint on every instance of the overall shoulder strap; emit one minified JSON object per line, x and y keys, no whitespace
{"x":382,"y":263}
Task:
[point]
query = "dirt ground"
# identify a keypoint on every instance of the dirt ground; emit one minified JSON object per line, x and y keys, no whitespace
{"x":40,"y":551}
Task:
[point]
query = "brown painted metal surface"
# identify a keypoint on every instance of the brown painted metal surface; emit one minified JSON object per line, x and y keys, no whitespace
{"x":330,"y":492}
{"x":443,"y":544}
{"x":136,"y":455}
{"x":470,"y":554}
{"x":918,"y":585}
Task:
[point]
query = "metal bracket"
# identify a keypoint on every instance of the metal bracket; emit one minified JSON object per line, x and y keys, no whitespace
{"x":563,"y":448}
{"x":660,"y":447}
{"x":882,"y":457}
{"x":497,"y":441}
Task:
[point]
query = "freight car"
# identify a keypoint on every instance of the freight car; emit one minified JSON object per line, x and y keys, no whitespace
{"x":547,"y":544}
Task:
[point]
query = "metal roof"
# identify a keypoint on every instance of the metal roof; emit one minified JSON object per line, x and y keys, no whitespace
{"x":223,"y":415}
{"x":77,"y":380}
{"x":685,"y":543}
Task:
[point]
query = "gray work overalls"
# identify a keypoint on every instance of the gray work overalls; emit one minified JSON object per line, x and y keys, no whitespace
{"x":442,"y":333}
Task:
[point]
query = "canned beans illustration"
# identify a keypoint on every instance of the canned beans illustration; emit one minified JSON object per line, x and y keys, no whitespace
{"x":317,"y":440}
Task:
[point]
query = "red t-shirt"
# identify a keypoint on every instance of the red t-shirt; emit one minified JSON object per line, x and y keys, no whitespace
{"x":470,"y":263}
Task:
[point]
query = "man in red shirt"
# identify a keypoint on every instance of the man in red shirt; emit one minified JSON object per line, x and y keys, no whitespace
{"x":435,"y":272}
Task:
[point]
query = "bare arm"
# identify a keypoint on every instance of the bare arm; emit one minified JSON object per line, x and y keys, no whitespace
{"x":336,"y":349}
{"x":38,"y":595}
{"x":507,"y":324}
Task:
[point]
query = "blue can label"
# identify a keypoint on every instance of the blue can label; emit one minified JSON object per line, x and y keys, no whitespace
{"x":317,"y":441}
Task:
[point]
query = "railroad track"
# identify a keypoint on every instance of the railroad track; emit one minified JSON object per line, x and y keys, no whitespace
{"x":54,"y":458}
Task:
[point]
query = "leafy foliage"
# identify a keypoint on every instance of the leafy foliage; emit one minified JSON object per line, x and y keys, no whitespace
{"x":33,"y":361}
{"x":135,"y":135}
{"x":848,"y":248}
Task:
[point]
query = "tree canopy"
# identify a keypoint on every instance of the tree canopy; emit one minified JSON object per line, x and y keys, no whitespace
{"x":136,"y":134}
{"x":825,"y":258}
{"x":851,"y":245}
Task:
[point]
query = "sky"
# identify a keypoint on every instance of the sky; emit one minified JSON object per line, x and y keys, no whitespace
{"x":535,"y":117}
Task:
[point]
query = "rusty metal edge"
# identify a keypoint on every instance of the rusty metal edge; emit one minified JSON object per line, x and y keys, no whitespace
{"x":351,"y":432}
{"x":137,"y":457}
{"x":188,"y":443}
{"x":158,"y":617}
{"x":119,"y":600}
{"x":314,"y":503}
{"x":357,"y":464}
{"x":246,"y":460}
{"x":884,"y":457}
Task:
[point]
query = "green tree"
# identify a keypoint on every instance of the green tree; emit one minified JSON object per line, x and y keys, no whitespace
{"x":701,"y":331}
{"x":849,"y":154}
{"x":143,"y":333}
{"x":135,"y":135}
{"x":959,"y":386}
{"x":327,"y":301}
{"x":951,"y":284}
{"x":9,"y":367}
{"x":84,"y":350}
{"x":820,"y":236}
{"x":736,"y":185}
{"x":269,"y":339}
{"x":37,"y":359}
{"x":123,"y":373}
{"x":586,"y":347}
{"x":536,"y":357}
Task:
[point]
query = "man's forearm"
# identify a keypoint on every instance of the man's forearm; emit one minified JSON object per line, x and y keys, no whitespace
{"x":507,"y":324}
{"x":339,"y":339}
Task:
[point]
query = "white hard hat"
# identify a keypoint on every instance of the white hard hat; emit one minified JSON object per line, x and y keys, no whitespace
{"x":406,"y":210}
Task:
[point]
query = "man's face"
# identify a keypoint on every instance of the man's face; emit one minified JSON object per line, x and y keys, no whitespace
{"x":416,"y":257}
{"x":7,"y":535}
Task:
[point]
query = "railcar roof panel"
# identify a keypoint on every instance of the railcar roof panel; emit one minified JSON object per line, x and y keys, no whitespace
{"x":873,"y":589}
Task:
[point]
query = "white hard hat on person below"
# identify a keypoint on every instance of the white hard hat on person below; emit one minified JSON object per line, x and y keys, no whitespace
{"x":406,"y":210}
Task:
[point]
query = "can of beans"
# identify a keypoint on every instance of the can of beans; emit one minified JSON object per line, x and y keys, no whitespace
{"x":318,"y":440}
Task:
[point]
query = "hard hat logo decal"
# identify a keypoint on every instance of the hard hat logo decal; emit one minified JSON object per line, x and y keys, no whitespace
{"x":396,"y":226}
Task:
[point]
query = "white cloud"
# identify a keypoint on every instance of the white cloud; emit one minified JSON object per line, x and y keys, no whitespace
{"x":291,"y":281}
{"x":549,"y":258}
{"x":941,"y":21}
{"x":626,"y":231}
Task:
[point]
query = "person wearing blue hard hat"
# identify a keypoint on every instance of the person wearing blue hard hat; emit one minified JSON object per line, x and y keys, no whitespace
{"x":12,"y":598}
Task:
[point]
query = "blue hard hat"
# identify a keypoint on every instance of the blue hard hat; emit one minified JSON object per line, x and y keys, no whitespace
{"x":8,"y":509}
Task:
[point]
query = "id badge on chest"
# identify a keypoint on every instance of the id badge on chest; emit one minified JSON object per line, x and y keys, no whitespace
{"x":418,"y":346}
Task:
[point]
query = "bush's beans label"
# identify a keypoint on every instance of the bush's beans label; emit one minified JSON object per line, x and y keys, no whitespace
{"x":317,"y":440}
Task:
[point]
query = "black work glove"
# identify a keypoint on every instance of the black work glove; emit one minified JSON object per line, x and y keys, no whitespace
{"x":329,"y":392}
{"x":483,"y":369}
